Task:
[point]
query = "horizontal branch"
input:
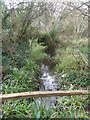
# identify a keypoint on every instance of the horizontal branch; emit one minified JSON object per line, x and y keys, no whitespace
{"x":37,"y":94}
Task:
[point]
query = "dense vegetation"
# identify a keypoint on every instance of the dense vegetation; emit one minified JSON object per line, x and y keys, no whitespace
{"x":41,"y":33}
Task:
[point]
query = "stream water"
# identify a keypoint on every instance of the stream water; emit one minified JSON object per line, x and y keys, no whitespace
{"x":48,"y":83}
{"x":48,"y":79}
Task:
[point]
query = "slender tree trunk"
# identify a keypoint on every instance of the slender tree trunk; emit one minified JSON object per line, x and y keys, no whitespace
{"x":1,"y":58}
{"x":89,"y":20}
{"x":89,"y":53}
{"x":89,"y":38}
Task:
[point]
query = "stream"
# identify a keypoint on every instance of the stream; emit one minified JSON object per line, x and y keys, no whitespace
{"x":48,"y":83}
{"x":48,"y":79}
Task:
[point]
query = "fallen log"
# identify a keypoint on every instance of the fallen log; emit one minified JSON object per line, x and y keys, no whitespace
{"x":37,"y":94}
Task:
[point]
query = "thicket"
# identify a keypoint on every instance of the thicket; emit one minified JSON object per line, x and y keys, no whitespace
{"x":25,"y":48}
